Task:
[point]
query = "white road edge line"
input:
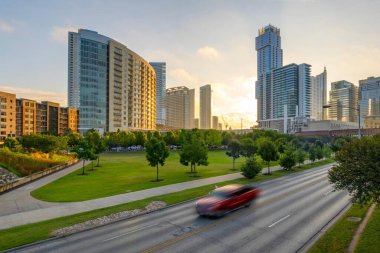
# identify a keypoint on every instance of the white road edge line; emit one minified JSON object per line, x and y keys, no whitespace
{"x":327,"y":193}
{"x":129,"y":232}
{"x":274,"y":224}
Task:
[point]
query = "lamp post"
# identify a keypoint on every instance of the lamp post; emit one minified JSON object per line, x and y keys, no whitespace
{"x":353,"y":108}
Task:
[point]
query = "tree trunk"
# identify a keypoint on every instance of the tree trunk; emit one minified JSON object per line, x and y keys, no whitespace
{"x":233,"y":163}
{"x":195,"y":166}
{"x":98,"y":161}
{"x":157,"y":172}
{"x":92,"y":165}
{"x":83,"y":167}
{"x":268,"y":168}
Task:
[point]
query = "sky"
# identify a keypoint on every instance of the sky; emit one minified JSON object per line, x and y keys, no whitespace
{"x":202,"y":42}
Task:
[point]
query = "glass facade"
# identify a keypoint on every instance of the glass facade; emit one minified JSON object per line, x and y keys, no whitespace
{"x":369,"y":97}
{"x":160,"y":69}
{"x":343,"y":101}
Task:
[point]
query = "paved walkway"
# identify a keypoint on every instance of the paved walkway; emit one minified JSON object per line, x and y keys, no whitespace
{"x":18,"y":207}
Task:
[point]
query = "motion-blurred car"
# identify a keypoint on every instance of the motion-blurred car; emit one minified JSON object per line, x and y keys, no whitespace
{"x":225,"y":199}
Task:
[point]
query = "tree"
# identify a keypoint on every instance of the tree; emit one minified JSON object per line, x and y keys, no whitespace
{"x":12,"y":143}
{"x":358,"y":169}
{"x":84,"y":152}
{"x":234,"y":150}
{"x":267,"y":151}
{"x":248,"y":147}
{"x":171,"y":138}
{"x":156,"y":153}
{"x":73,"y":139}
{"x":96,"y":143}
{"x":251,"y":168}
{"x":312,"y":153}
{"x":44,"y":143}
{"x":300,"y":156}
{"x":126,"y":138}
{"x":318,"y":152}
{"x":213,"y":137}
{"x":194,"y":152}
{"x":288,"y":160}
{"x":140,"y":138}
{"x":326,"y":151}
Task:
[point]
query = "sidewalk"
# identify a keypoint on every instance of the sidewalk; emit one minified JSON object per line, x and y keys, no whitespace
{"x":26,"y":209}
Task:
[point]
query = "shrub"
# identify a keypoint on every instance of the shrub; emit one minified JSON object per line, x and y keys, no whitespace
{"x":251,"y":168}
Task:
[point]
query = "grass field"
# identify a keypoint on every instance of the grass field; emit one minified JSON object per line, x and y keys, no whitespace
{"x":126,"y":172}
{"x":339,"y":236}
{"x":13,"y":237}
{"x":369,"y":241}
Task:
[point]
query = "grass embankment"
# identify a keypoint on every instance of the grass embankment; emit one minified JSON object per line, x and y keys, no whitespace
{"x":126,"y":172}
{"x":23,"y":164}
{"x":339,"y":236}
{"x":369,"y":241}
{"x":13,"y":237}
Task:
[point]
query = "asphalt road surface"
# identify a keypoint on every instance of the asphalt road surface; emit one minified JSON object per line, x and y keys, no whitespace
{"x":291,"y":210}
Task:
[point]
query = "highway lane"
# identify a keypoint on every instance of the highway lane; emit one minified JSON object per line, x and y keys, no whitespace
{"x":291,"y":210}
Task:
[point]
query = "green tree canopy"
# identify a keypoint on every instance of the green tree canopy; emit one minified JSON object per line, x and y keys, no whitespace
{"x":267,"y":150}
{"x":194,"y":152}
{"x":288,"y":159}
{"x":140,"y":138}
{"x":300,"y":156}
{"x":85,"y":152}
{"x":251,"y":168}
{"x":96,"y":142}
{"x":234,"y":151}
{"x":213,"y":137}
{"x":156,"y":153}
{"x":358,"y":169}
{"x":248,"y":147}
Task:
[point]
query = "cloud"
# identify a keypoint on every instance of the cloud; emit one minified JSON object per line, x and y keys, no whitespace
{"x":38,"y":95}
{"x":208,"y":53}
{"x":59,"y":34}
{"x":6,"y":27}
{"x":182,"y":77}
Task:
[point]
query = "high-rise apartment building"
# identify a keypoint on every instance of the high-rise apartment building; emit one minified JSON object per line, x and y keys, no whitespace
{"x":160,"y":69}
{"x":343,"y":101}
{"x":291,"y":88}
{"x":196,"y":123}
{"x":179,"y":102}
{"x":113,"y":87}
{"x":269,"y":57}
{"x":369,"y":98}
{"x":205,"y":107}
{"x":7,"y":115}
{"x":319,"y":96}
{"x":215,"y":122}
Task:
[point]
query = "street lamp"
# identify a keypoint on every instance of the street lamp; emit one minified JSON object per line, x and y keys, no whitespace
{"x":353,"y":108}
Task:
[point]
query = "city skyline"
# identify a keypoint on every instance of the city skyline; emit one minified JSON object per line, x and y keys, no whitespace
{"x":199,"y":42}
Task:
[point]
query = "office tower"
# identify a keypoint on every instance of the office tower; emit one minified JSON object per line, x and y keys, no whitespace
{"x":369,"y":98}
{"x":215,"y":122}
{"x":113,"y":87}
{"x":196,"y":123}
{"x":291,"y":88}
{"x":269,"y":57}
{"x":343,"y":101}
{"x":220,"y":127}
{"x":160,"y":69}
{"x":179,"y":103}
{"x":7,"y":115}
{"x":319,"y":96}
{"x":205,"y":107}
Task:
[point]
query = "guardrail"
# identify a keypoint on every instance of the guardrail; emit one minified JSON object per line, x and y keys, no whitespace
{"x":24,"y":180}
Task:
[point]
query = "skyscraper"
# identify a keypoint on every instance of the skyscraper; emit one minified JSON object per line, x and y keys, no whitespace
{"x":369,"y":97}
{"x":179,"y":102}
{"x":160,"y":69}
{"x":291,"y":87}
{"x":215,"y":122}
{"x":205,"y":107}
{"x":319,"y":96}
{"x":269,"y":56}
{"x":343,"y":101}
{"x":113,"y":87}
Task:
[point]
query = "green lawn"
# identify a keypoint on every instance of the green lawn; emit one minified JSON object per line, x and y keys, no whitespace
{"x":369,"y":241}
{"x":339,"y":236}
{"x":126,"y":172}
{"x":13,"y":237}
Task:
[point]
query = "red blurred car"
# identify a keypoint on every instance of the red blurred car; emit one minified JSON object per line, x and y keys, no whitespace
{"x":226,"y":198}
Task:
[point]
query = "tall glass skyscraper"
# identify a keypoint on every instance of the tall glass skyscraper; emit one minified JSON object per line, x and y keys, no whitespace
{"x":205,"y":106}
{"x":113,"y":87}
{"x":87,"y":78}
{"x":319,"y":96}
{"x":343,"y":101}
{"x":269,"y":57}
{"x":291,"y":88}
{"x":369,"y":97}
{"x":160,"y":69}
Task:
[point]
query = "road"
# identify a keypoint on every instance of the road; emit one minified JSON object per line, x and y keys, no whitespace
{"x":290,"y":211}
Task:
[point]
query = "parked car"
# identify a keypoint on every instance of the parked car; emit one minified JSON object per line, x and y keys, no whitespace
{"x":225,"y":199}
